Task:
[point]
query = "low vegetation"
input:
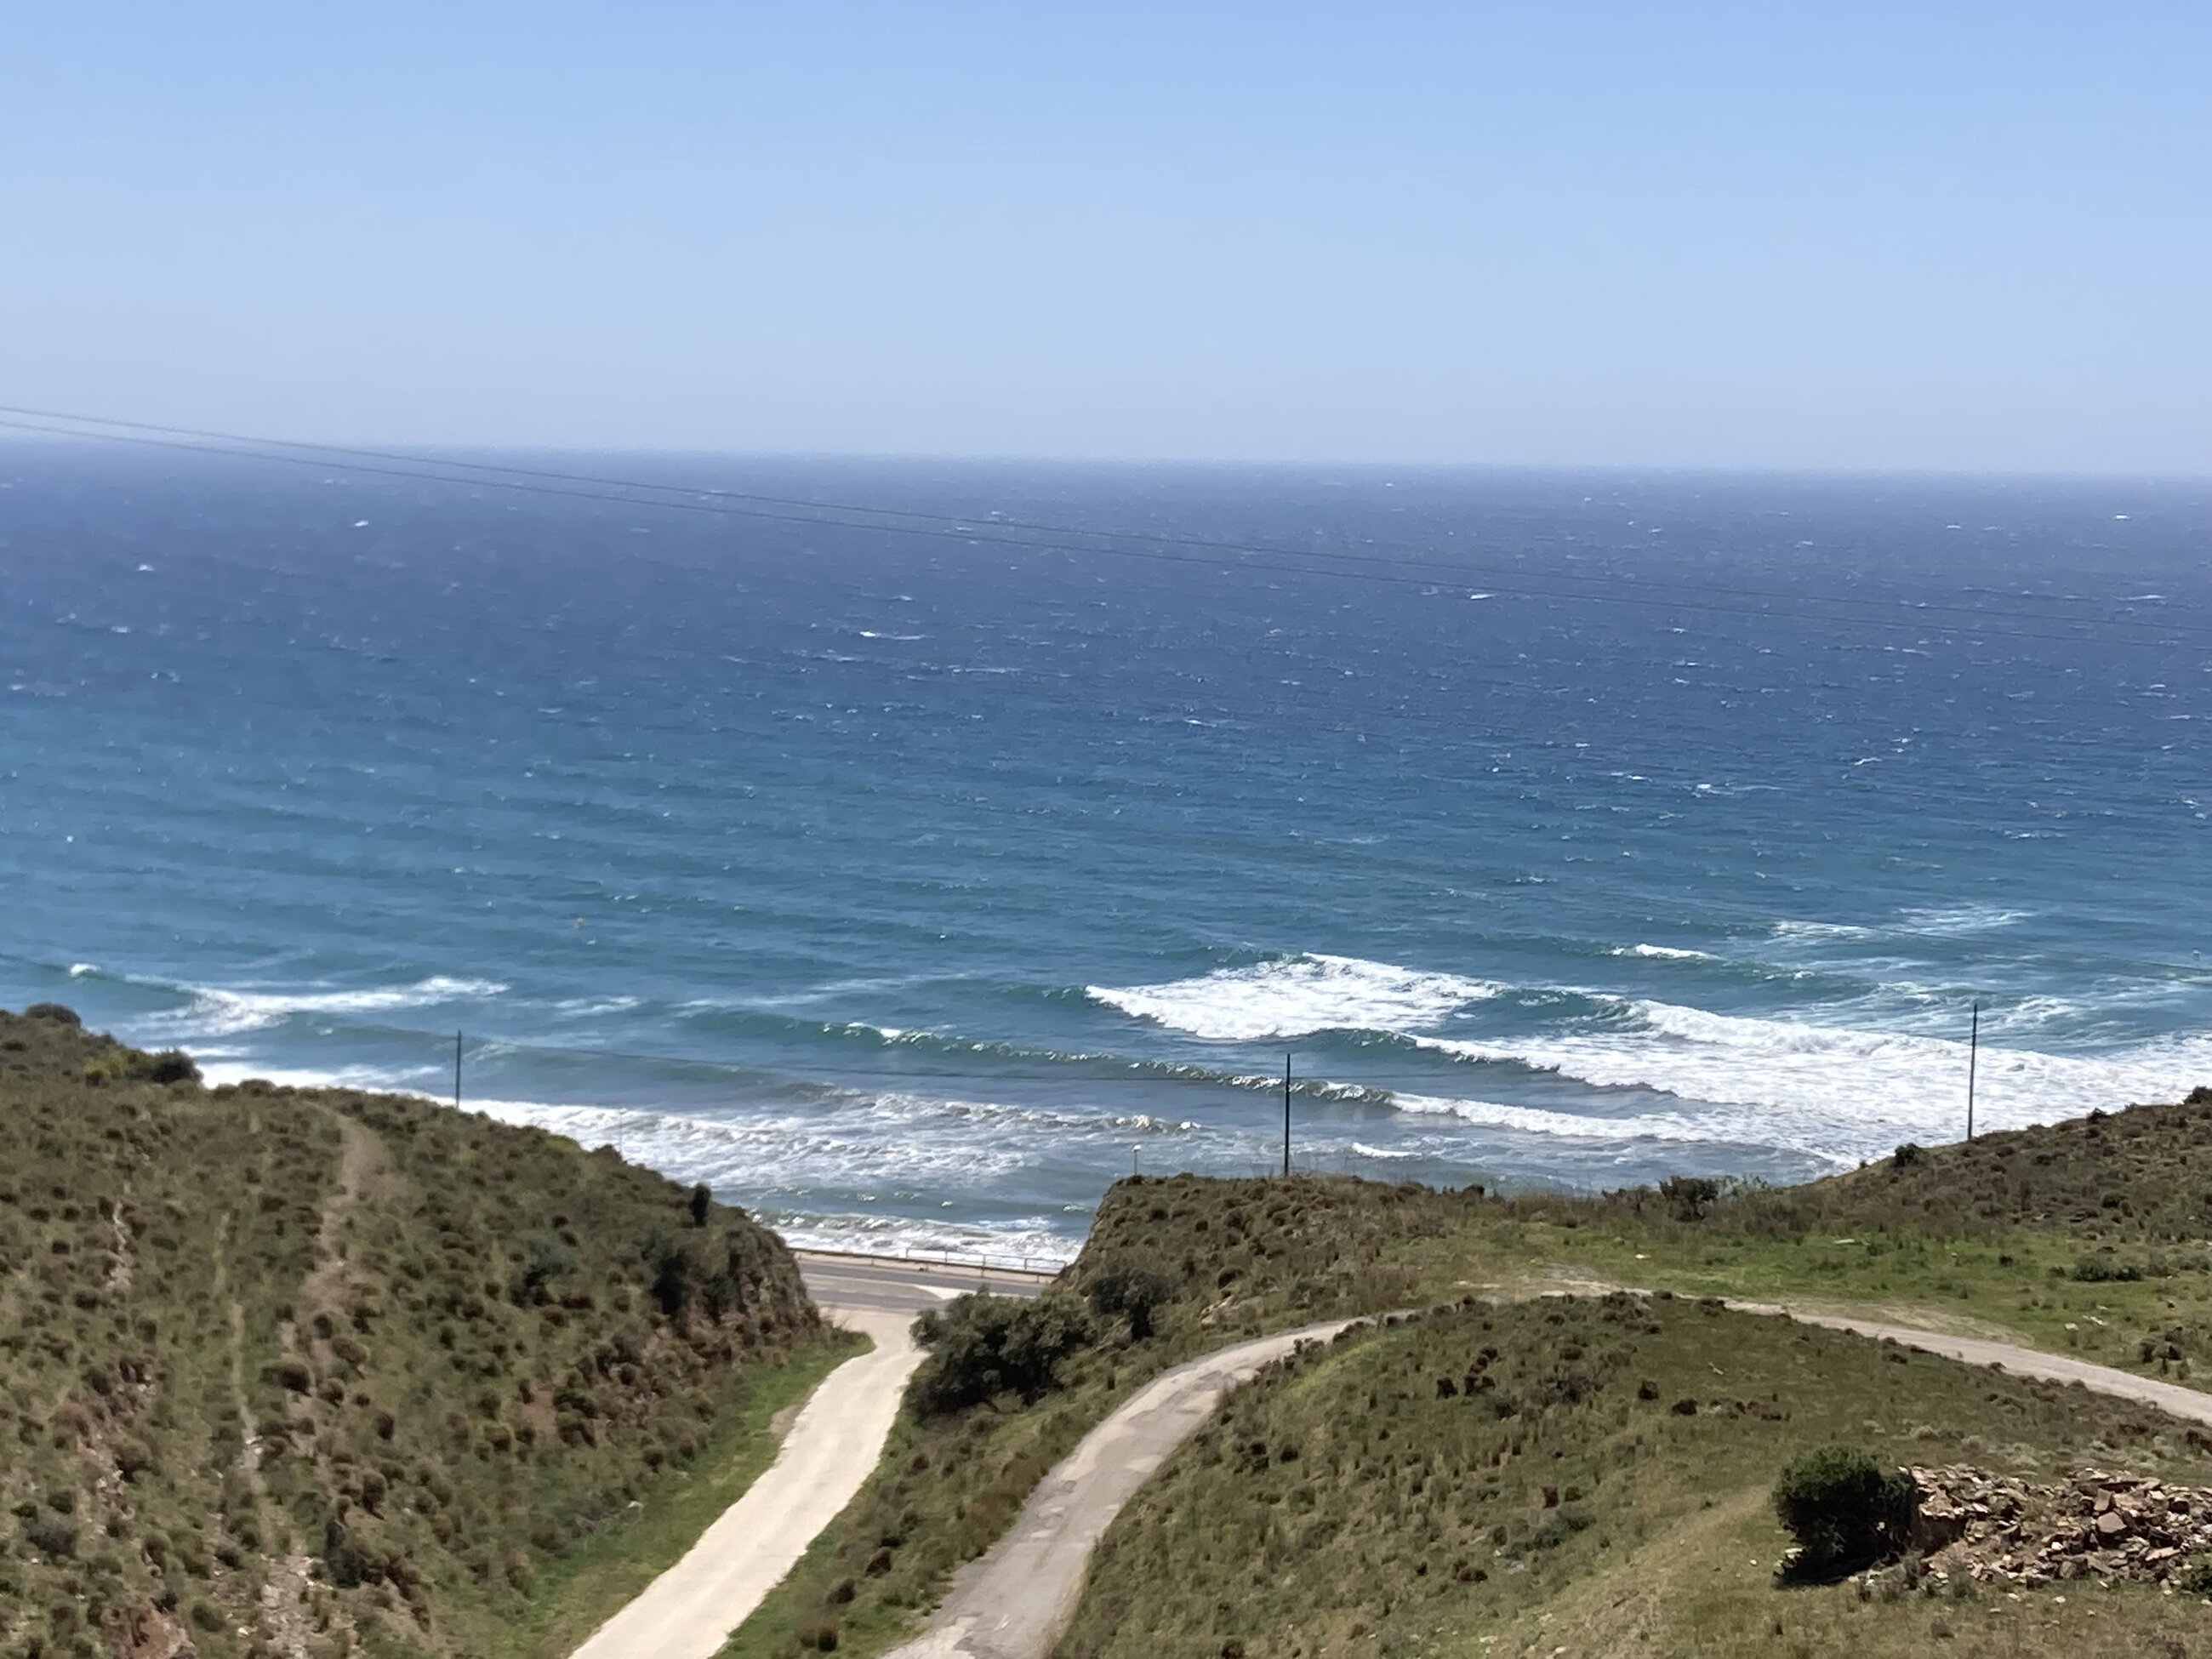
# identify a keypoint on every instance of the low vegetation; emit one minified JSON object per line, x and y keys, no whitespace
{"x":1173,"y":1268}
{"x":1598,"y":1476}
{"x":314,"y":1373}
{"x":2091,"y":1238}
{"x":2087,"y":1237}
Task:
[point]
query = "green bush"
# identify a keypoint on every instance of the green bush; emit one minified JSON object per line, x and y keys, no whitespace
{"x":981,"y":1346}
{"x":170,"y":1066}
{"x":1133,"y":1291}
{"x":1690,"y":1197}
{"x":1845,"y":1510}
{"x":2105,"y":1270}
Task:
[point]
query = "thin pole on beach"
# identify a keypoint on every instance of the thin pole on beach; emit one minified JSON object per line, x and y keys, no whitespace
{"x":457,"y":1070}
{"x":1286,"y":1115}
{"x":1973,"y":1054}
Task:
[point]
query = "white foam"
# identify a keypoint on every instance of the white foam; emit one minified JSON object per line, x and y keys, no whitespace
{"x":1663,"y":953}
{"x":1032,"y":1242}
{"x":1570,"y":1126}
{"x":1296,"y":996}
{"x":1837,"y":1091}
{"x":785,"y":1152}
{"x":588,"y":1007}
{"x":217,"y":1012}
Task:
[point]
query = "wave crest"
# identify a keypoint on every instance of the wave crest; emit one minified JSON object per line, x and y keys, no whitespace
{"x":1296,"y":996}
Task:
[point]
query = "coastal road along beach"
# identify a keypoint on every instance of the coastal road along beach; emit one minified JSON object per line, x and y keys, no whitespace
{"x":1015,"y":1601}
{"x":688,"y":1611}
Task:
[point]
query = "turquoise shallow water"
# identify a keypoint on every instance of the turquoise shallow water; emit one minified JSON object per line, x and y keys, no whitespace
{"x":1572,"y":827}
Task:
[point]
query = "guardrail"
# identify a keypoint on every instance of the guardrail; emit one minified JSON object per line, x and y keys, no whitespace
{"x":1028,"y":1265}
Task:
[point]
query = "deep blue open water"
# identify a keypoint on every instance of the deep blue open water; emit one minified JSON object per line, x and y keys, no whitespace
{"x":1581,"y":829}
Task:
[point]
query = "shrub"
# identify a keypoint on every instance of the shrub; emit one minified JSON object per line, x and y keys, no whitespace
{"x":980,"y":1347}
{"x":2105,"y":1270}
{"x":170,"y":1066}
{"x":1844,"y":1509}
{"x":1130,"y":1290}
{"x":1907,"y":1155}
{"x":50,"y":1535}
{"x":54,"y":1011}
{"x":1690,"y":1197}
{"x":703,"y":1203}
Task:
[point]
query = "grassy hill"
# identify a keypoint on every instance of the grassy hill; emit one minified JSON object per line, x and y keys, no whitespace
{"x":2092,"y":1236}
{"x":1589,"y":1476}
{"x":2086,"y":1237}
{"x":296,"y":1373}
{"x":1235,"y":1259}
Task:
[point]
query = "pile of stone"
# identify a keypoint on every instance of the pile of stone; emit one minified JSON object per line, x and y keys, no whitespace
{"x":2111,"y":1527}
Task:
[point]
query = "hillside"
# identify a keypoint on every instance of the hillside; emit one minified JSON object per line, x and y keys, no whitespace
{"x":2012,"y":1234}
{"x":1590,"y":1476}
{"x":1235,"y":1258}
{"x":300,"y":1373}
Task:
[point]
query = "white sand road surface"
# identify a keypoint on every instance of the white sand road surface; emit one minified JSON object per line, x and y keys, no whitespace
{"x":688,"y":1611}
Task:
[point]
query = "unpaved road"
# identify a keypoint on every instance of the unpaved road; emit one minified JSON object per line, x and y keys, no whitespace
{"x":2169,"y":1397}
{"x":1015,"y":1600}
{"x":688,"y":1611}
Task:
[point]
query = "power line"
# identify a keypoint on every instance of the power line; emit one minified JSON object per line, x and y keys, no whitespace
{"x":969,"y":531}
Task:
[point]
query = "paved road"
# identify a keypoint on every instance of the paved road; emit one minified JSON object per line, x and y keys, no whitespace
{"x":688,"y":1611}
{"x":1015,"y":1600}
{"x":893,"y":1285}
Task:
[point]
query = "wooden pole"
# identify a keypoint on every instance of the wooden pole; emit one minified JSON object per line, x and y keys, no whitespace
{"x":457,"y":1070}
{"x":1973,"y":1054}
{"x":1286,"y":1116}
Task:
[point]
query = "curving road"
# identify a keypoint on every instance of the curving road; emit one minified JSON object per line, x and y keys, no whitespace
{"x":2169,"y":1397}
{"x":1015,"y":1601}
{"x":688,"y":1611}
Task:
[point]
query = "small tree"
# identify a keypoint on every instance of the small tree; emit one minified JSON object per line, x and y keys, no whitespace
{"x":1131,"y":1290}
{"x":980,"y":1347}
{"x":703,"y":1203}
{"x":1844,"y":1509}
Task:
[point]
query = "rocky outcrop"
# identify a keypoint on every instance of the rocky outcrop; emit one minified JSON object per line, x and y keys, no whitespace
{"x":2113,"y":1527}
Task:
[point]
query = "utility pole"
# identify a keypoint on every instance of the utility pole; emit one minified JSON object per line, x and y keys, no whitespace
{"x":1286,"y":1115}
{"x":1973,"y":1054}
{"x":457,"y":1070}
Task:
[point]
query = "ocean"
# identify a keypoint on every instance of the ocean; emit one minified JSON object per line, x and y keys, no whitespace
{"x":909,"y":879}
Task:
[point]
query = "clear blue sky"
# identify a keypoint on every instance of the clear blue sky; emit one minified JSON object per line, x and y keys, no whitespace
{"x":1849,"y":235}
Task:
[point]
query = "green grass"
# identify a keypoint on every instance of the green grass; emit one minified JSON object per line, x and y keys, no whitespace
{"x":2091,"y":1237}
{"x":1244,"y":1257}
{"x":1558,"y":1493}
{"x":580,"y":1591}
{"x":1995,"y":1237}
{"x":390,"y":1364}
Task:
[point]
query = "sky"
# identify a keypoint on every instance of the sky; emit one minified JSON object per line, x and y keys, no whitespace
{"x":1925,"y":236}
